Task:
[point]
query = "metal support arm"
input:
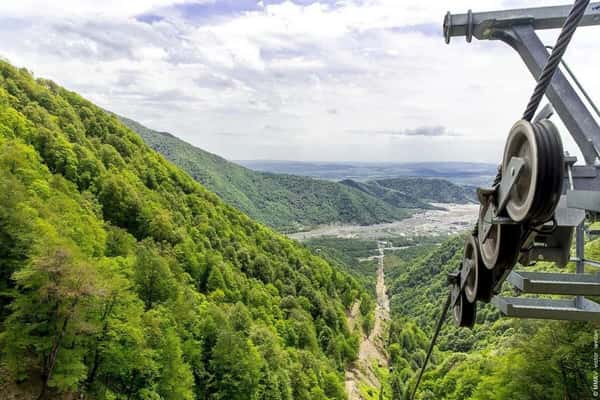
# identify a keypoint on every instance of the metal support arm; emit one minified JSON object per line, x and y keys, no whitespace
{"x":483,"y":25}
{"x":567,"y":103}
{"x":517,"y":29}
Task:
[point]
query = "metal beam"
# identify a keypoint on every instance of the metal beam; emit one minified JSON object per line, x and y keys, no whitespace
{"x":580,"y":254}
{"x":578,"y":284}
{"x":482,"y":25}
{"x":577,"y":118}
{"x":517,"y":28}
{"x":558,"y":309}
{"x":584,"y":199}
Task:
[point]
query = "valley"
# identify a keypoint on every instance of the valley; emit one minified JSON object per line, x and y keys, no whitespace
{"x":298,"y":199}
{"x":365,"y":374}
{"x":136,"y":266}
{"x":454,"y":218}
{"x":371,"y":376}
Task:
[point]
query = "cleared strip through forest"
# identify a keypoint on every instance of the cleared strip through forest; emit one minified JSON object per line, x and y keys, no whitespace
{"x":372,"y":348}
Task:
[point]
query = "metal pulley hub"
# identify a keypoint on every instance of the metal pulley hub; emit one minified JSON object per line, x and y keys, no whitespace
{"x":498,"y":243}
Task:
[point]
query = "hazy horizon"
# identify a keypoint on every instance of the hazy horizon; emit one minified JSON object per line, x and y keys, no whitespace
{"x":361,"y":162}
{"x":291,"y":79}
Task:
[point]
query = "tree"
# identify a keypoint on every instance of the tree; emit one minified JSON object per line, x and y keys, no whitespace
{"x":50,"y":318}
{"x":123,"y":278}
{"x":368,"y":322}
{"x":366,"y":304}
{"x":236,"y":364}
{"x":153,"y":277}
{"x":117,"y":355}
{"x":240,"y":318}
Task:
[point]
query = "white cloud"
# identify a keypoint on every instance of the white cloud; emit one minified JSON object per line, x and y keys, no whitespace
{"x":218,"y":82}
{"x":84,"y":8}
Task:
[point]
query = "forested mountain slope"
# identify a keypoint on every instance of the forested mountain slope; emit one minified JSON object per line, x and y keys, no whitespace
{"x":123,"y":278}
{"x":429,"y":190}
{"x":393,"y":197}
{"x":285,"y":202}
{"x":500,"y":359}
{"x":410,"y":192}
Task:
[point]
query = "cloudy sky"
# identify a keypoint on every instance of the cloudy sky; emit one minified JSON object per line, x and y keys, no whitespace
{"x":352,"y":80}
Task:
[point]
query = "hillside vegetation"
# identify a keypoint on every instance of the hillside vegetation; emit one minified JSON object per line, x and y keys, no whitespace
{"x":429,"y":190}
{"x":123,"y":278}
{"x":285,"y":202}
{"x":393,"y":197}
{"x":350,"y":255}
{"x":500,"y":359}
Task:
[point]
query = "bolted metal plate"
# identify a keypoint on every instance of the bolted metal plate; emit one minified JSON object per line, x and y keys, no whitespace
{"x":486,"y":227}
{"x":566,"y":215}
{"x":515,"y":166}
{"x":583,"y":199}
{"x":556,"y":283}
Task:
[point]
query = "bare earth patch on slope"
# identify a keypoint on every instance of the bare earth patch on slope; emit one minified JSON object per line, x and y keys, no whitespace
{"x":372,"y":355}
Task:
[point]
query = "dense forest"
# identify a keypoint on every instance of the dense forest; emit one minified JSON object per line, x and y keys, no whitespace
{"x":411,"y":192}
{"x":292,"y":202}
{"x":285,"y":202}
{"x":123,"y":278}
{"x":499,"y":359}
{"x":351,"y":255}
{"x":429,"y":190}
{"x":393,"y":197}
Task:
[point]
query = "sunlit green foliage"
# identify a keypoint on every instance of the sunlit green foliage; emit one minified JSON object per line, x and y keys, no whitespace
{"x":500,"y":359}
{"x":429,"y":190}
{"x":123,"y":278}
{"x":351,"y":255}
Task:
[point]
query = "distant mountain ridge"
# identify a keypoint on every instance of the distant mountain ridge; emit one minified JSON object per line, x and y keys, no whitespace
{"x":285,"y":202}
{"x":415,"y":192}
{"x":391,"y":196}
{"x":429,"y":190}
{"x":290,"y":202}
{"x":463,"y":173}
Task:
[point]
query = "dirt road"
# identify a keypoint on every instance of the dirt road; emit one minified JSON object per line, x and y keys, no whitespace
{"x":372,"y":348}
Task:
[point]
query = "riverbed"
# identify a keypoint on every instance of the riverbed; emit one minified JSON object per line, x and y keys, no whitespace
{"x":454,"y":219}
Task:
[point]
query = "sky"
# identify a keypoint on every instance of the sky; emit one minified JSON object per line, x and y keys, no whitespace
{"x":312,"y":80}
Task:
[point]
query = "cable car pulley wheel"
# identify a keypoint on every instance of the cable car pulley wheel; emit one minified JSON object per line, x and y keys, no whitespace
{"x":479,"y":281}
{"x":500,"y":249}
{"x":535,"y":194}
{"x":464,"y":313}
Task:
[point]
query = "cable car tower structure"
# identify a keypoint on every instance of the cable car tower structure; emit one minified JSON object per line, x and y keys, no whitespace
{"x":539,"y":199}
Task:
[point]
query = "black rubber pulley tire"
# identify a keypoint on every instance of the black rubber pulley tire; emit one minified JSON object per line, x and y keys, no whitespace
{"x":479,"y":283}
{"x":464,"y":313}
{"x":537,"y":191}
{"x":500,"y":250}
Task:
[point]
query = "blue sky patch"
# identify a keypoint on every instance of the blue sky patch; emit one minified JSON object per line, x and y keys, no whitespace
{"x":149,"y":18}
{"x":232,"y":8}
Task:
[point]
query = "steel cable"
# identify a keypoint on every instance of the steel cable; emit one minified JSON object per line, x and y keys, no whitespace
{"x":564,"y":38}
{"x":433,"y":340}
